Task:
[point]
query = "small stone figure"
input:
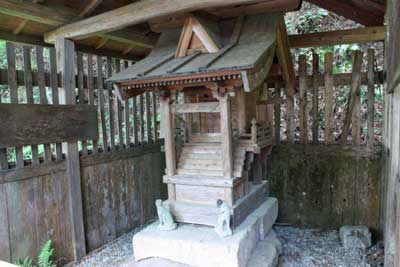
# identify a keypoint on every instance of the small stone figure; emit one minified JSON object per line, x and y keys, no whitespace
{"x":223,"y":227}
{"x":165,"y":217}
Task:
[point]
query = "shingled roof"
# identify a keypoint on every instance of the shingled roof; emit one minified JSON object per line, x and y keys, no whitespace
{"x":247,"y":45}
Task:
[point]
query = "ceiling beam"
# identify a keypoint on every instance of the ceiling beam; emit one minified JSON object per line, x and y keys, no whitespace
{"x":36,"y":40}
{"x":352,"y":36}
{"x":350,"y":12}
{"x":138,"y":12}
{"x":87,"y":10}
{"x":58,"y":16}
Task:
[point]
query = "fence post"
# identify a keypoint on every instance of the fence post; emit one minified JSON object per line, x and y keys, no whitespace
{"x":277,"y":112}
{"x":303,"y":99}
{"x":66,"y":63}
{"x":328,"y":97}
{"x":371,"y":98}
{"x":315,"y":80}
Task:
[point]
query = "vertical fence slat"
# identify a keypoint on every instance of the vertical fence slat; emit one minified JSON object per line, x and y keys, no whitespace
{"x":154,"y":112}
{"x":277,"y":112}
{"x":111,"y":116}
{"x":356,"y":118}
{"x":355,"y":89}
{"x":135,"y":121}
{"x":141,"y":117}
{"x":81,"y":95}
{"x":148,"y":118}
{"x":315,"y":124}
{"x":42,"y":91}
{"x":290,"y":118}
{"x":328,"y":98}
{"x":100,"y":93}
{"x":119,"y":110}
{"x":303,"y":98}
{"x":26,"y":51}
{"x":13,"y":86}
{"x":91,"y":98}
{"x":371,"y":98}
{"x":54,"y":90}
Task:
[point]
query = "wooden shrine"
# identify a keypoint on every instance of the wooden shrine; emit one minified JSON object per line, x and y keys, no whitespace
{"x":217,"y":140}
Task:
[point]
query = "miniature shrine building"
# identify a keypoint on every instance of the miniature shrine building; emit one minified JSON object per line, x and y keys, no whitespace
{"x":226,"y":134}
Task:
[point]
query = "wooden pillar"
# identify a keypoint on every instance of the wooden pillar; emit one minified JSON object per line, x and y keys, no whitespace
{"x":65,"y":50}
{"x":226,"y":135}
{"x":169,"y":142}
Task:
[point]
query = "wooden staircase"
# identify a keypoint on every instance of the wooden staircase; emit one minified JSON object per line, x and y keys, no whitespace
{"x":205,"y":158}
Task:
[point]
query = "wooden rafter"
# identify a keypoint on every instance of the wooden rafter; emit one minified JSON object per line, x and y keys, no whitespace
{"x":359,"y":35}
{"x":136,"y":13}
{"x":56,"y":17}
{"x":348,"y":11}
{"x":20,"y":27}
{"x":89,"y":8}
{"x":285,"y":59}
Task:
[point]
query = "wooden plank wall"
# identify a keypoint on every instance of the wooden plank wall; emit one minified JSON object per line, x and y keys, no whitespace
{"x":118,"y":186}
{"x":315,"y":123}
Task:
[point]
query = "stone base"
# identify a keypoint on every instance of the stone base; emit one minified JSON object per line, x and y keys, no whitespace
{"x":200,"y":246}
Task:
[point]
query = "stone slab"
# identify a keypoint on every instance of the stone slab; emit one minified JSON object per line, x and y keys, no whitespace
{"x":200,"y":246}
{"x":273,"y":239}
{"x":265,"y":255}
{"x":355,"y":236}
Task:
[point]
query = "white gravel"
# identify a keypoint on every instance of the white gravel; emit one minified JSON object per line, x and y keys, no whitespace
{"x":301,"y":248}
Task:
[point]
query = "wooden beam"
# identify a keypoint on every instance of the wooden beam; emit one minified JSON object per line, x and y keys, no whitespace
{"x":31,"y":124}
{"x":66,"y":65}
{"x":358,"y":35}
{"x":285,"y":59}
{"x":36,"y":40}
{"x":89,"y":8}
{"x":20,"y":26}
{"x":136,"y":13}
{"x":58,"y":16}
{"x":348,"y":11}
{"x":195,"y":107}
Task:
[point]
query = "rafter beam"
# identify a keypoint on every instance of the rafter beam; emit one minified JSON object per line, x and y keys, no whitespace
{"x":138,"y":12}
{"x":285,"y":59}
{"x":87,"y":10}
{"x":352,"y":36}
{"x":36,"y":40}
{"x":58,"y":16}
{"x":348,"y":11}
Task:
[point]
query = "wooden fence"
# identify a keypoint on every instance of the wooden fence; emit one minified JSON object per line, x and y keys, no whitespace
{"x":309,"y":115}
{"x":121,"y":171}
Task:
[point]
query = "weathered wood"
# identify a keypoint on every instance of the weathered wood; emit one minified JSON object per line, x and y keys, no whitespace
{"x":329,"y":98}
{"x":169,"y":137}
{"x":277,"y":113}
{"x":81,"y":96}
{"x":5,"y":246}
{"x":315,"y":107}
{"x":135,"y":121}
{"x":26,"y":51}
{"x":371,"y":99}
{"x":91,"y":97}
{"x":119,"y":110}
{"x":141,"y":118}
{"x":355,"y":90}
{"x":28,"y":124}
{"x":148,"y":118}
{"x":346,"y":10}
{"x":226,"y":135}
{"x":42,"y":92}
{"x":290,"y":119}
{"x":356,"y":120}
{"x":285,"y":58}
{"x":54,"y":90}
{"x":205,"y":107}
{"x":303,"y":99}
{"x":90,"y":7}
{"x":101,"y":99}
{"x":351,"y":36}
{"x":66,"y":65}
{"x":111,"y":116}
{"x":154,"y":112}
{"x":133,"y":14}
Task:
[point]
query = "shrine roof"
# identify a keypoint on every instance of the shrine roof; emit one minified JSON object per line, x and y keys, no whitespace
{"x":253,"y":44}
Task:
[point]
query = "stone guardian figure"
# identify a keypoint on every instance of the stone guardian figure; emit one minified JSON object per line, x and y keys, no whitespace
{"x":165,"y":217}
{"x":223,"y":227}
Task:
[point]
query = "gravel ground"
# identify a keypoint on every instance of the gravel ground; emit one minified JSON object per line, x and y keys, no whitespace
{"x":301,"y":248}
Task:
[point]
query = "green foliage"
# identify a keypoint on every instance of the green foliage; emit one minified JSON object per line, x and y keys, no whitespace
{"x":44,"y":258}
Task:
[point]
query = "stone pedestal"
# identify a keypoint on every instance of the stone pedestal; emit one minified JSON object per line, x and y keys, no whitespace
{"x":200,"y":246}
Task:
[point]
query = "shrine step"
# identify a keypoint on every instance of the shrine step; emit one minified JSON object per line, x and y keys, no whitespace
{"x":208,"y":172}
